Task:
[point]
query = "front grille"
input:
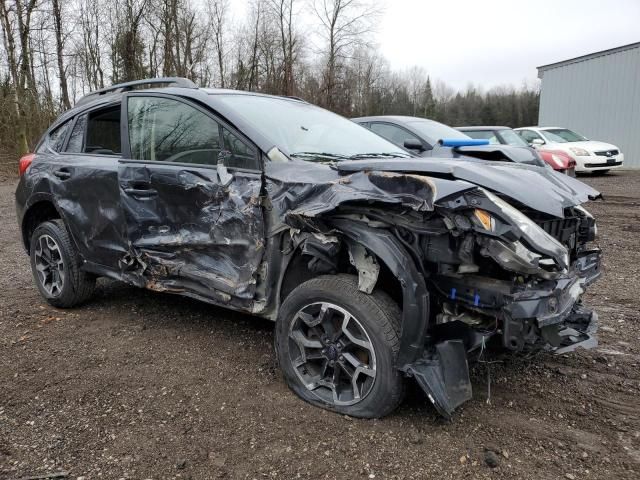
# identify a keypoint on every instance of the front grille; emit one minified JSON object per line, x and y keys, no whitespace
{"x":562,"y":229}
{"x":607,"y":153}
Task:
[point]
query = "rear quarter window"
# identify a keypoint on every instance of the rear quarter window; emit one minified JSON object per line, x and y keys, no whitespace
{"x":76,"y":140}
{"x":54,"y":140}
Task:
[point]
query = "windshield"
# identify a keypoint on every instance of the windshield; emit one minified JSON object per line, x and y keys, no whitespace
{"x":483,"y":135}
{"x":433,"y":132}
{"x":563,"y":135}
{"x":507,"y":137}
{"x":308,"y":132}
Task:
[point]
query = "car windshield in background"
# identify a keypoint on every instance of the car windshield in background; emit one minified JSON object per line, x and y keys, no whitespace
{"x":433,"y":132}
{"x":563,"y":135}
{"x":308,"y":132}
{"x":483,"y":135}
{"x":512,"y":138}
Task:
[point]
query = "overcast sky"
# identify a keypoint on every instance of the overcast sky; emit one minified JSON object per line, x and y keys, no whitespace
{"x":495,"y":42}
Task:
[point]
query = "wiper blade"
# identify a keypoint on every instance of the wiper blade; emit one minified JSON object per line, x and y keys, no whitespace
{"x":380,"y":155}
{"x":332,"y":156}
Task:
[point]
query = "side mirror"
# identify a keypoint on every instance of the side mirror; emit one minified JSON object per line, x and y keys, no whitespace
{"x":537,"y":142}
{"x":413,"y":144}
{"x":224,"y":176}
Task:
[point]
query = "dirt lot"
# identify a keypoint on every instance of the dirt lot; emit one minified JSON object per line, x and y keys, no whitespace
{"x":144,"y":385}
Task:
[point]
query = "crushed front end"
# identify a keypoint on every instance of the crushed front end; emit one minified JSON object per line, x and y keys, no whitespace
{"x":505,"y":275}
{"x":474,"y":255}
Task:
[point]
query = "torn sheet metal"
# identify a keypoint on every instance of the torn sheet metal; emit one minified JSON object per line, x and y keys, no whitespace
{"x":538,"y":188}
{"x":302,"y":189}
{"x":195,"y":233}
{"x":367,"y":266}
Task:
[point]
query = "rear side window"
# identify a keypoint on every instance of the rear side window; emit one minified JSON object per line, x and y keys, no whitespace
{"x":55,"y":139}
{"x":103,"y":132}
{"x":167,"y":130}
{"x":76,"y":140}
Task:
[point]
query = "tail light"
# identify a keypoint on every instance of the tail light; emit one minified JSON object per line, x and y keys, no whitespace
{"x":24,"y":163}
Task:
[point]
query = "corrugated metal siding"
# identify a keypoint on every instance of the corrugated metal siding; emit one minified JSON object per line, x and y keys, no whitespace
{"x":599,"y":98}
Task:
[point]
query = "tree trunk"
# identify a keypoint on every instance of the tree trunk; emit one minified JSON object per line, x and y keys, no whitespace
{"x":57,"y":20}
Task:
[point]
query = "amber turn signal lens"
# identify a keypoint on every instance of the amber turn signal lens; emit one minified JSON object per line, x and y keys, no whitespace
{"x":484,"y":218}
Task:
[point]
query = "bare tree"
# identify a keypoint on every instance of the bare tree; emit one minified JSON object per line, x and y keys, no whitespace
{"x":16,"y":18}
{"x":344,"y":25}
{"x":217,"y":10}
{"x":51,"y":52}
{"x":283,"y":11}
{"x":62,"y":74}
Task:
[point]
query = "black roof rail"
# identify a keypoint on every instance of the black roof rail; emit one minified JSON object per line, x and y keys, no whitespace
{"x":123,"y":87}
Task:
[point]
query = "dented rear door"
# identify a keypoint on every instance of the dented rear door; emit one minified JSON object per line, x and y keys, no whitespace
{"x":191,"y":228}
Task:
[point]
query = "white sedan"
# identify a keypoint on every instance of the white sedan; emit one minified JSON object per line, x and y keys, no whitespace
{"x":590,"y":155}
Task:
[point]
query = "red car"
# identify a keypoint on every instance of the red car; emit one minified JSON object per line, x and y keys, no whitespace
{"x":559,"y":160}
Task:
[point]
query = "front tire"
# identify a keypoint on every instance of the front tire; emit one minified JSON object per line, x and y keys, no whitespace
{"x":337,"y":346}
{"x":54,"y":263}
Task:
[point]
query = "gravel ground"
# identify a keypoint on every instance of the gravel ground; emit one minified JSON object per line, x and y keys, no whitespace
{"x":137,"y":384}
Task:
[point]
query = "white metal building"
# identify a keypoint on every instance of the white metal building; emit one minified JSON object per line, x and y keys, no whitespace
{"x":598,"y":96}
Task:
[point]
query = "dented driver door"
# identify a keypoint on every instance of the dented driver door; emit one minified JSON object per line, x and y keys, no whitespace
{"x":191,"y":228}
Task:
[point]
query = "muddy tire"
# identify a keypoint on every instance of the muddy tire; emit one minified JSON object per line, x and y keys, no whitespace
{"x":55,"y":266}
{"x":337,"y":346}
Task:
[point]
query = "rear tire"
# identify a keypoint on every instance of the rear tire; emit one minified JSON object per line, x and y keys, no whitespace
{"x":55,"y":268}
{"x":327,"y":325}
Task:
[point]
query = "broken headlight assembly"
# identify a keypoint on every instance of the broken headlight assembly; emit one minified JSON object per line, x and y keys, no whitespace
{"x":534,"y":237}
{"x":592,"y":226}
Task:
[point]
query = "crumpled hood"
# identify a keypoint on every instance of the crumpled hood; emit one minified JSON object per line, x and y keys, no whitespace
{"x":539,"y":188}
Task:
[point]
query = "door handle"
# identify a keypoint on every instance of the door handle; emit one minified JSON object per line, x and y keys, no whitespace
{"x":62,"y":174}
{"x":141,"y":192}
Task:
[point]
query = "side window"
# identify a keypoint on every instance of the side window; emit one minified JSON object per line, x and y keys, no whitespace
{"x":76,"y":140}
{"x":57,"y":137}
{"x":103,"y":132}
{"x":241,"y":155}
{"x":392,"y":133}
{"x":529,"y":135}
{"x":163,"y":129}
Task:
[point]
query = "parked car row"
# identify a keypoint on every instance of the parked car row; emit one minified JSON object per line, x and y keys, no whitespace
{"x":560,"y":148}
{"x":378,"y":260}
{"x":557,"y":159}
{"x":427,"y":138}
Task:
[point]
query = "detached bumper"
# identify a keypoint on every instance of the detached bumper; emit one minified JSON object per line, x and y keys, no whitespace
{"x":539,"y":314}
{"x":530,"y":313}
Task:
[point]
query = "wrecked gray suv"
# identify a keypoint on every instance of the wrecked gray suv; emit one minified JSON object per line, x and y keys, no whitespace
{"x":375,"y":265}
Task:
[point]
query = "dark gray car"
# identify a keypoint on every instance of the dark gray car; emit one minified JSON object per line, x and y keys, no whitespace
{"x":374,"y":264}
